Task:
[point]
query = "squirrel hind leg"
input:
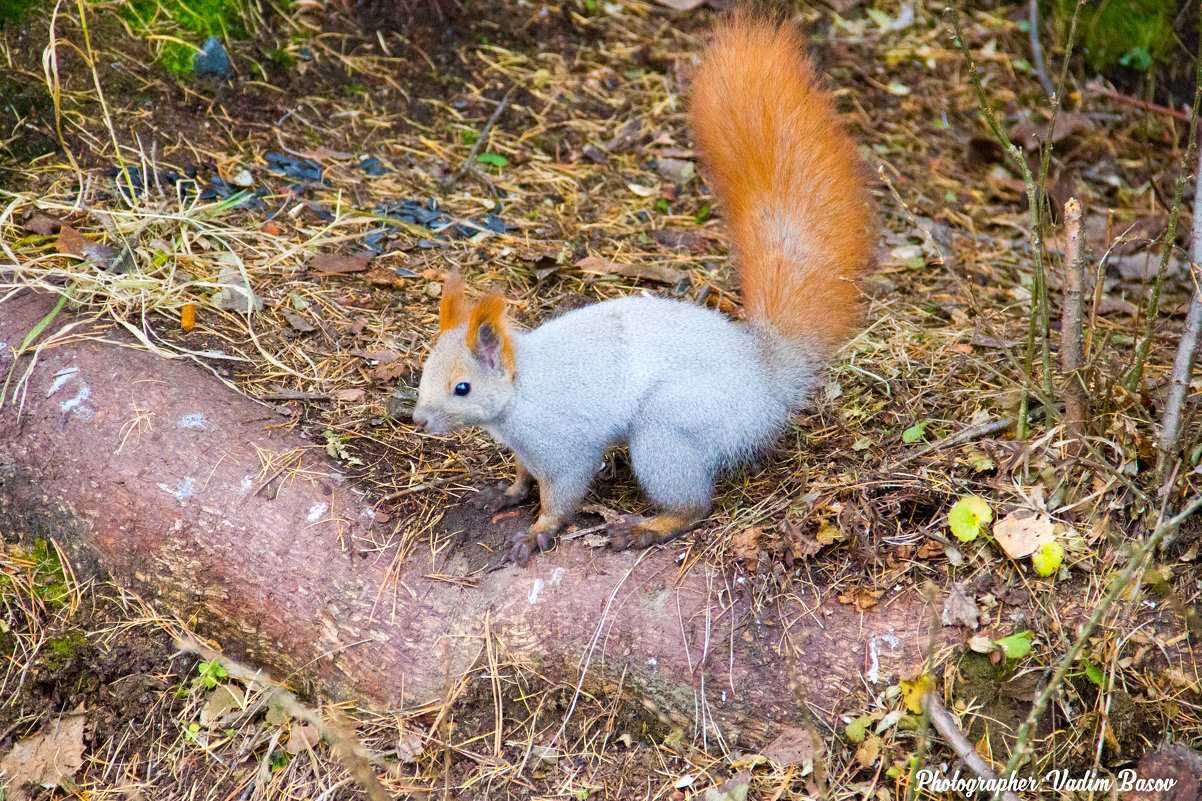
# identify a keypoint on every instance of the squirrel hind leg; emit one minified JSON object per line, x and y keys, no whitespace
{"x":643,"y":532}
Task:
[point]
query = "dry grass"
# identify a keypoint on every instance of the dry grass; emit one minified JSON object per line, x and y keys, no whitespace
{"x":939,"y":352}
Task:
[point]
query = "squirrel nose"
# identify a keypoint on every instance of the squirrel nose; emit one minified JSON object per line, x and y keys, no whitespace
{"x":421,"y":417}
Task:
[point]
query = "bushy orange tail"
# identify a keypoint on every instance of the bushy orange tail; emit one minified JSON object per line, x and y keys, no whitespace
{"x":787,"y":178}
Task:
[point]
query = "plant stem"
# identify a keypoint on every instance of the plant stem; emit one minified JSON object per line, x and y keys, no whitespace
{"x":1187,"y":349}
{"x":1039,"y":300}
{"x":1136,"y":374}
{"x":1072,"y":344}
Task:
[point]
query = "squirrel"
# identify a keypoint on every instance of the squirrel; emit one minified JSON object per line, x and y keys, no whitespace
{"x":689,"y":391}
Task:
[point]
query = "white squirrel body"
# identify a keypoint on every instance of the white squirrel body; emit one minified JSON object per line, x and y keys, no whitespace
{"x":690,"y":391}
{"x":687,"y":389}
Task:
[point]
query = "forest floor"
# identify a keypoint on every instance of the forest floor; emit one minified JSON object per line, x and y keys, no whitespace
{"x":359,"y":151}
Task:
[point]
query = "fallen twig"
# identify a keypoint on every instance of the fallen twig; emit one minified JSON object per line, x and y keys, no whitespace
{"x":353,"y":754}
{"x":947,"y":727}
{"x":475,"y":151}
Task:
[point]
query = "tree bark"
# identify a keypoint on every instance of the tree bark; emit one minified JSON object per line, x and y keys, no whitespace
{"x":150,"y":471}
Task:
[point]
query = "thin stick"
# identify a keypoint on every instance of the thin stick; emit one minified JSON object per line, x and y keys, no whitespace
{"x":1187,"y":351}
{"x":1143,"y":104}
{"x":1037,"y":49}
{"x":475,"y":151}
{"x":1072,"y":343}
{"x":946,"y":725}
{"x":1117,"y":587}
{"x":1135,"y":377}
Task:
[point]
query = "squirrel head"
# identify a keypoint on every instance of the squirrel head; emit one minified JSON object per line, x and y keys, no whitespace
{"x":467,"y":379}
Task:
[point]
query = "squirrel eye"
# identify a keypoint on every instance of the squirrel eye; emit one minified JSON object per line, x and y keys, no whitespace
{"x":462,"y":388}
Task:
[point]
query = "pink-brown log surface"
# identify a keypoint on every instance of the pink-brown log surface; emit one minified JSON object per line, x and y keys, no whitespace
{"x":151,"y":471}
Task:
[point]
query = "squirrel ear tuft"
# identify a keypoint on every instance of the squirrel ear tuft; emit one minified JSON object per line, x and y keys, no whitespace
{"x":488,"y":334}
{"x":455,"y":308}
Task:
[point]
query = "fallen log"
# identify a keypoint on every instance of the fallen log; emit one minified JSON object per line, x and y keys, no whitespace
{"x":150,"y":471}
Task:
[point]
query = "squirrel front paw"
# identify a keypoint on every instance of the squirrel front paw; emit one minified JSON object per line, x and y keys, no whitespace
{"x":525,"y":544}
{"x":494,"y":499}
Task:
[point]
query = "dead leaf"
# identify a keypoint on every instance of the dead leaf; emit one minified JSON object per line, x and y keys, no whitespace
{"x":70,"y":242}
{"x":869,"y":751}
{"x":409,"y":745}
{"x":801,"y":546}
{"x":340,"y":263}
{"x":1023,"y":536}
{"x":794,"y":746}
{"x":746,"y":545}
{"x":629,"y":132}
{"x":297,"y":321}
{"x":46,"y":759}
{"x":235,"y":293}
{"x":735,"y":788}
{"x":301,"y":736}
{"x":648,"y":272}
{"x":350,"y":395}
{"x":187,"y":317}
{"x":981,"y":644}
{"x":959,"y":609}
{"x":862,"y":598}
{"x":829,"y":533}
{"x":43,"y":224}
{"x":383,"y":276}
{"x":389,"y":371}
{"x":913,"y":690}
{"x":225,"y":704}
{"x":929,"y":550}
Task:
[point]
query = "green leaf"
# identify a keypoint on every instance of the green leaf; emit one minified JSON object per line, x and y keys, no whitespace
{"x":1016,"y":646}
{"x":915,"y":432}
{"x":41,"y":326}
{"x":1093,"y":673}
{"x":1047,"y":559}
{"x":493,"y":159}
{"x":857,"y":730}
{"x":1137,"y":58}
{"x":967,"y":516}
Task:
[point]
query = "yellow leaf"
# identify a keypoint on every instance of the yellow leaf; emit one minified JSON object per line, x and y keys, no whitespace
{"x":913,"y":691}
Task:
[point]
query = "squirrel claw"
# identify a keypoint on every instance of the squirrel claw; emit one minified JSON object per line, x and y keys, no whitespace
{"x":494,"y":499}
{"x":629,"y":532}
{"x":525,"y":544}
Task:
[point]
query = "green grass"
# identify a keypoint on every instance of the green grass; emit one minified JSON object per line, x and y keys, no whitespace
{"x":1133,"y":33}
{"x":190,"y":20}
{"x":12,"y":10}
